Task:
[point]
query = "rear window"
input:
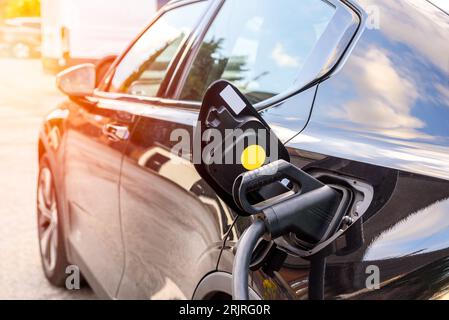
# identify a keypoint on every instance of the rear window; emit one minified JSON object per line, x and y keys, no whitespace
{"x":259,"y":45}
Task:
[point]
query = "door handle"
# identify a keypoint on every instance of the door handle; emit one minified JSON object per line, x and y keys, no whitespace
{"x":116,"y":132}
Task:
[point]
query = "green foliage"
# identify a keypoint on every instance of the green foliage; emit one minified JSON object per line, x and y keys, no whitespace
{"x":210,"y":65}
{"x":19,"y":8}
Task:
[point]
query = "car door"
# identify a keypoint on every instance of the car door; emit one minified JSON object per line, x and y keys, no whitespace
{"x":135,"y":84}
{"x":98,"y":130}
{"x":173,"y":222}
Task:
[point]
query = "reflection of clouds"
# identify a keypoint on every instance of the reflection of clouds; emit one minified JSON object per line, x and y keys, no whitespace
{"x":283,"y":59}
{"x":319,"y":28}
{"x":339,"y":146}
{"x":420,"y":158}
{"x":425,"y":231}
{"x":443,"y":4}
{"x":398,"y":26}
{"x":388,"y":96}
{"x":284,"y":134}
{"x":444,"y":93}
{"x":167,"y":33}
{"x":391,"y":82}
{"x":255,"y":24}
{"x":388,"y":106}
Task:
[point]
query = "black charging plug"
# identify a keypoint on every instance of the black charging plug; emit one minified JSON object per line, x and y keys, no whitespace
{"x":308,"y":209}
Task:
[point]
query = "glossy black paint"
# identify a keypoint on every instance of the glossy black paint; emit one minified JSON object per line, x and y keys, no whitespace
{"x":175,"y":205}
{"x":383,"y":119}
{"x":144,"y":225}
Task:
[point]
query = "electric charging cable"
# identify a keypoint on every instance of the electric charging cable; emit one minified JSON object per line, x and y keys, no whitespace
{"x":307,"y":213}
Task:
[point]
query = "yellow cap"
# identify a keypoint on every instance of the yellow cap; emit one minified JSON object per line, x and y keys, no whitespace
{"x":253,"y":157}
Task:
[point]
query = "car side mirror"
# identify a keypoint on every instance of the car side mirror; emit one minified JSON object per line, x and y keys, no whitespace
{"x":233,"y":139}
{"x":78,"y":81}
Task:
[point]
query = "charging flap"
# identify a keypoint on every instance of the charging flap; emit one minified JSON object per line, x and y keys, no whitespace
{"x":234,"y":139}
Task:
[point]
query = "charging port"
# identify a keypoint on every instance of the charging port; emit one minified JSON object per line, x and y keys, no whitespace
{"x":356,"y":197}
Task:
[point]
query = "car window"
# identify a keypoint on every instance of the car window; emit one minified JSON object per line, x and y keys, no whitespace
{"x":259,"y":45}
{"x":143,"y":69}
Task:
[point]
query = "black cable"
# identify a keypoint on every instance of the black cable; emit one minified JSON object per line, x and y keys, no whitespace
{"x":242,"y":260}
{"x":225,"y":242}
{"x":317,"y":277}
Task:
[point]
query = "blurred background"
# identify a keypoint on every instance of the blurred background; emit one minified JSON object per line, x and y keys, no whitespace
{"x":38,"y":38}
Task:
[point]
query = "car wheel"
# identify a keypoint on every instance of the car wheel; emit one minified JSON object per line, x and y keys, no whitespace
{"x":51,"y":237}
{"x":21,"y":51}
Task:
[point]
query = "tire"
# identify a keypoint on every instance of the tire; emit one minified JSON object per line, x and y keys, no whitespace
{"x":50,"y":231}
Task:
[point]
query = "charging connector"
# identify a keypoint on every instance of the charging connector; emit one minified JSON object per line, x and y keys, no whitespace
{"x":307,"y":209}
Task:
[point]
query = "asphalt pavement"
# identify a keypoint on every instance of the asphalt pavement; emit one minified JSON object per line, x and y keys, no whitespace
{"x":27,"y":94}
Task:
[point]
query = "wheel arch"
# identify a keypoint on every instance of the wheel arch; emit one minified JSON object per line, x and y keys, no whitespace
{"x":218,"y":286}
{"x":51,"y":144}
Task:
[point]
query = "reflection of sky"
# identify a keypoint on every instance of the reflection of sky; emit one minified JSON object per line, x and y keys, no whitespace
{"x":274,"y":39}
{"x":402,"y":74}
{"x":443,"y":4}
{"x":423,"y":232}
{"x":389,"y":105}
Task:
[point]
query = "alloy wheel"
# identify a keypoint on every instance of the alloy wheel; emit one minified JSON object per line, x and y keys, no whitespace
{"x":47,"y":219}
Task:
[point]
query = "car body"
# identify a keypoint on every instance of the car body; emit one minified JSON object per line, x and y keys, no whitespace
{"x":368,"y":112}
{"x":21,"y":37}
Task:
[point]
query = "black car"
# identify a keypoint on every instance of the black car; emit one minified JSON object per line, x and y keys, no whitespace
{"x":21,"y":37}
{"x":358,"y":93}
